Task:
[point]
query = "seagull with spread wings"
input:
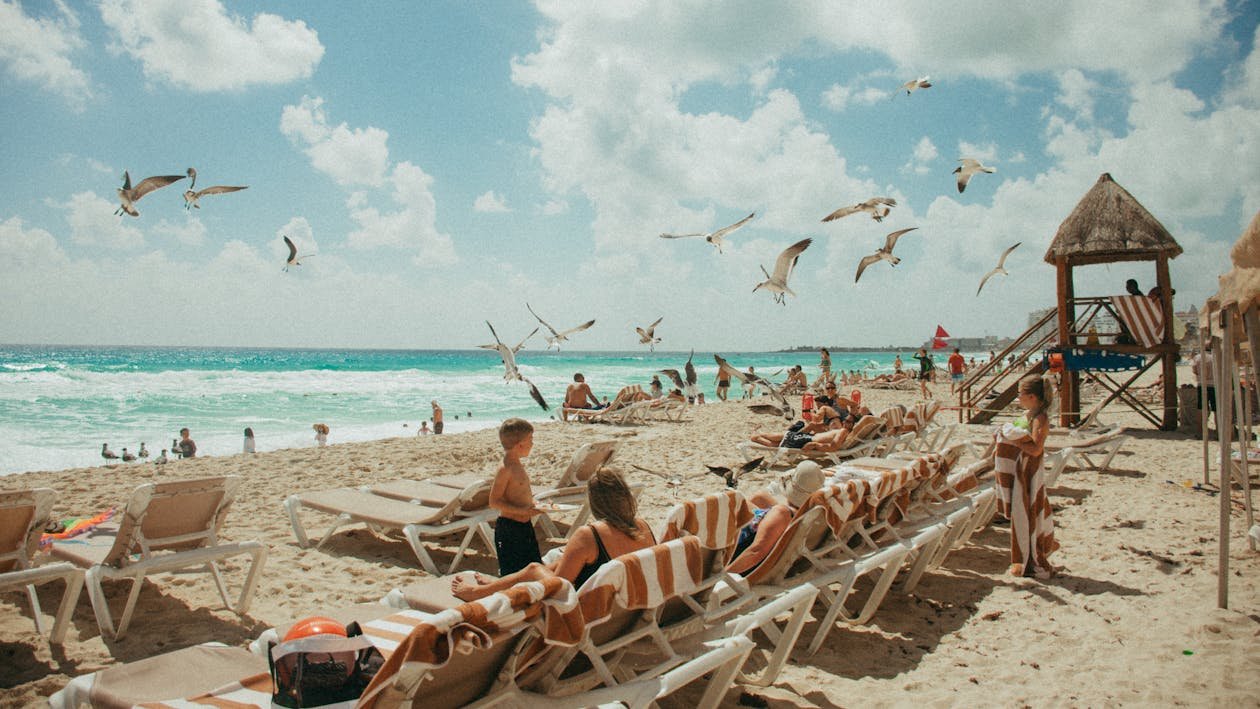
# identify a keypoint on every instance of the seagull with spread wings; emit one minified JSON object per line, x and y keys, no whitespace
{"x":128,"y":195}
{"x":685,"y":382}
{"x":785,"y":408}
{"x":714,"y":237}
{"x":555,"y":338}
{"x":878,"y":207}
{"x":648,"y":337}
{"x":510,"y":372}
{"x":292,"y":260}
{"x":920,"y":83}
{"x":968,"y":168}
{"x":732,"y":475}
{"x":1001,"y":267}
{"x":883,"y":254}
{"x":191,"y":197}
{"x":783,"y":267}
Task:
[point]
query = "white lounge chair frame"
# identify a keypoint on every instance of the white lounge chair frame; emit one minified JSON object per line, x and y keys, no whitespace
{"x":37,"y":504}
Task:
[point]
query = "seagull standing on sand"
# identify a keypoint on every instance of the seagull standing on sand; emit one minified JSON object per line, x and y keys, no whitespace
{"x":1000,"y":267}
{"x":143,"y":452}
{"x":969,"y":167}
{"x":510,"y":372}
{"x":714,"y":237}
{"x":127,"y":457}
{"x":292,"y":260}
{"x":555,"y":338}
{"x":161,"y":459}
{"x":128,"y":196}
{"x":648,"y":337}
{"x":919,"y":83}
{"x":883,"y":254}
{"x":108,"y":454}
{"x":783,"y":266}
{"x":878,"y":207}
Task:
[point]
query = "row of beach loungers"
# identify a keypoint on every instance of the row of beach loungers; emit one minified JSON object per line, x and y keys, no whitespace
{"x":645,"y":625}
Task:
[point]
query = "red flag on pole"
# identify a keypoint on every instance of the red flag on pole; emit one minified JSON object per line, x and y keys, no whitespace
{"x":938,"y":341}
{"x":940,"y":332}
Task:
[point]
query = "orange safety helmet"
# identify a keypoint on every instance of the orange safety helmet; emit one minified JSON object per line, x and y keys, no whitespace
{"x":314,"y":625}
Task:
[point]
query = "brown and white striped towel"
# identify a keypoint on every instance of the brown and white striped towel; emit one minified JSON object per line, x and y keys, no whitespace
{"x":895,"y":416}
{"x":1022,"y":499}
{"x":841,"y":503}
{"x":1143,"y":316}
{"x":713,"y":519}
{"x":642,"y":579}
{"x":922,"y":414}
{"x":253,"y":691}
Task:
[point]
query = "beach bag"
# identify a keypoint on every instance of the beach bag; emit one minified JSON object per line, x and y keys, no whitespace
{"x":322,"y":670}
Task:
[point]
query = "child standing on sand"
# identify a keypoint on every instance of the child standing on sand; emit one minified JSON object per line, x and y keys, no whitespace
{"x":514,"y":538}
{"x":249,"y":441}
{"x":1022,"y":498}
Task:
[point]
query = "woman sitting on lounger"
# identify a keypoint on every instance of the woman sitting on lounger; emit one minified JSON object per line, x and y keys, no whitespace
{"x":774,"y":509}
{"x":617,"y":530}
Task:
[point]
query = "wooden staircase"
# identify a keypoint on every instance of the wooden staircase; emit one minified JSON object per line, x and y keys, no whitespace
{"x":974,"y":402}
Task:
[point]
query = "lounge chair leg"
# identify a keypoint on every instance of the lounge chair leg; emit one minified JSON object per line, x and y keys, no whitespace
{"x":100,"y":607}
{"x":782,"y":647}
{"x":70,"y":599}
{"x":417,"y":546}
{"x":291,"y":505}
{"x":35,"y":610}
{"x":259,"y":555}
{"x":129,"y":609}
{"x":463,"y":547}
{"x":218,"y":581}
{"x":721,"y":682}
{"x":487,"y":536}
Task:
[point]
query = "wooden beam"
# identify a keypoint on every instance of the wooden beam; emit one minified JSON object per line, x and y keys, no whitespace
{"x":1170,"y":359}
{"x":1070,"y":406}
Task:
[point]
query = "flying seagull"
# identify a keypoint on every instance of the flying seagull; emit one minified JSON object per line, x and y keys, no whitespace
{"x":1000,"y":267}
{"x":879,"y":207}
{"x":766,"y":385}
{"x":732,"y":475}
{"x":690,"y":378}
{"x":190,"y":197}
{"x":555,"y":338}
{"x":778,"y":283}
{"x":714,"y":237}
{"x":128,"y":196}
{"x":883,"y":254}
{"x":648,"y":337}
{"x":292,"y":260}
{"x":672,"y":481}
{"x":519,"y":346}
{"x":919,"y":83}
{"x":510,"y":372}
{"x":969,"y":167}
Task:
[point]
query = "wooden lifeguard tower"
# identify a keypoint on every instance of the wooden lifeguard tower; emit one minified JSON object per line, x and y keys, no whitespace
{"x":1107,"y":226}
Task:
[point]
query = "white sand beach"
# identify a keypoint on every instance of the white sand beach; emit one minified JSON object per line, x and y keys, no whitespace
{"x":1130,"y":618}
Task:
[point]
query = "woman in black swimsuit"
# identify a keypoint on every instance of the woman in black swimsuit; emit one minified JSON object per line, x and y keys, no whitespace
{"x":617,"y":530}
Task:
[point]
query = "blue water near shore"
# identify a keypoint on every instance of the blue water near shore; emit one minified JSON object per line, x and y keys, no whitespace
{"x":58,"y":404}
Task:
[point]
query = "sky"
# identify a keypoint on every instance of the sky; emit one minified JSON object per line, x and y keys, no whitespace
{"x":448,"y":162}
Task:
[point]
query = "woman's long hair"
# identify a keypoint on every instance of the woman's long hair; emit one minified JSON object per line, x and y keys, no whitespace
{"x":1036,"y":385}
{"x":612,"y":501}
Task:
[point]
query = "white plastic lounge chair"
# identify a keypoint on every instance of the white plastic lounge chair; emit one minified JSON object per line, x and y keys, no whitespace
{"x":864,"y":440}
{"x":23,"y":514}
{"x":1064,"y":448}
{"x":387,"y":508}
{"x":166,"y":526}
{"x":570,"y":489}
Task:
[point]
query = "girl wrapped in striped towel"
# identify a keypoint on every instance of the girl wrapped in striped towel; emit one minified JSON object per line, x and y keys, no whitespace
{"x":1022,"y":497}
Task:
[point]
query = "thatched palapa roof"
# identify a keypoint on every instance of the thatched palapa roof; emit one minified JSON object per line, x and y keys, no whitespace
{"x":1109,"y":225}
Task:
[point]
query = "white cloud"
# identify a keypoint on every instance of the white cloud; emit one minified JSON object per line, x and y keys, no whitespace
{"x":490,"y":202}
{"x":1076,"y":93}
{"x":191,"y":232}
{"x":25,"y":249}
{"x":413,"y":225}
{"x":357,"y":156}
{"x":837,"y":97}
{"x":924,"y":153}
{"x":198,"y":45}
{"x":555,"y":206}
{"x":92,"y":223}
{"x":986,"y":153}
{"x":1245,"y":88}
{"x":38,"y":50}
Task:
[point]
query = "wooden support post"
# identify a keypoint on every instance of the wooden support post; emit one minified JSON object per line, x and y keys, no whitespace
{"x":1251,"y":324}
{"x":1170,"y":360}
{"x":1224,"y":357}
{"x":1069,"y":394}
{"x":1204,"y":339}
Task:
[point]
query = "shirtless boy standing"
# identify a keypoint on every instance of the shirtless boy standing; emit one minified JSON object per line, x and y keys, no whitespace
{"x":578,"y":396}
{"x":437,"y":417}
{"x":514,"y":539}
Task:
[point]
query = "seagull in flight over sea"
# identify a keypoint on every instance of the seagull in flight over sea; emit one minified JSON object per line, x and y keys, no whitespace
{"x":292,"y":260}
{"x":1001,"y":267}
{"x":128,"y":195}
{"x":648,"y":337}
{"x":555,"y":338}
{"x":969,"y":167}
{"x":510,"y":372}
{"x":714,"y":237}
{"x":919,"y":83}
{"x":879,"y":207}
{"x":783,"y":266}
{"x":883,"y":254}
{"x":519,"y":346}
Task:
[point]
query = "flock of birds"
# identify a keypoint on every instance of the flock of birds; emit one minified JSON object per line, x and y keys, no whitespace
{"x":877,"y":207}
{"x":128,"y":457}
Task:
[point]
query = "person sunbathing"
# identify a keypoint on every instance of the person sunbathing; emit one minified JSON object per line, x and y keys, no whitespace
{"x":617,"y":530}
{"x":774,"y":509}
{"x":797,"y":436}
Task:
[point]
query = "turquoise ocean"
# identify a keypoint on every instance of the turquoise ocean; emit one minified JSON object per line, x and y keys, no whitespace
{"x":58,"y":404}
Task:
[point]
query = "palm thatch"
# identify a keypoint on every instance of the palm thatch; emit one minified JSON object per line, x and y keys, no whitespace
{"x":1109,"y":225}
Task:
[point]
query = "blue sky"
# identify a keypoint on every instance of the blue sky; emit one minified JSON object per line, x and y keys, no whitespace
{"x":450,"y":161}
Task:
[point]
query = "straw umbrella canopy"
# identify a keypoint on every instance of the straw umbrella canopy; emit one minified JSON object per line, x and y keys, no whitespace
{"x":1109,"y":225}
